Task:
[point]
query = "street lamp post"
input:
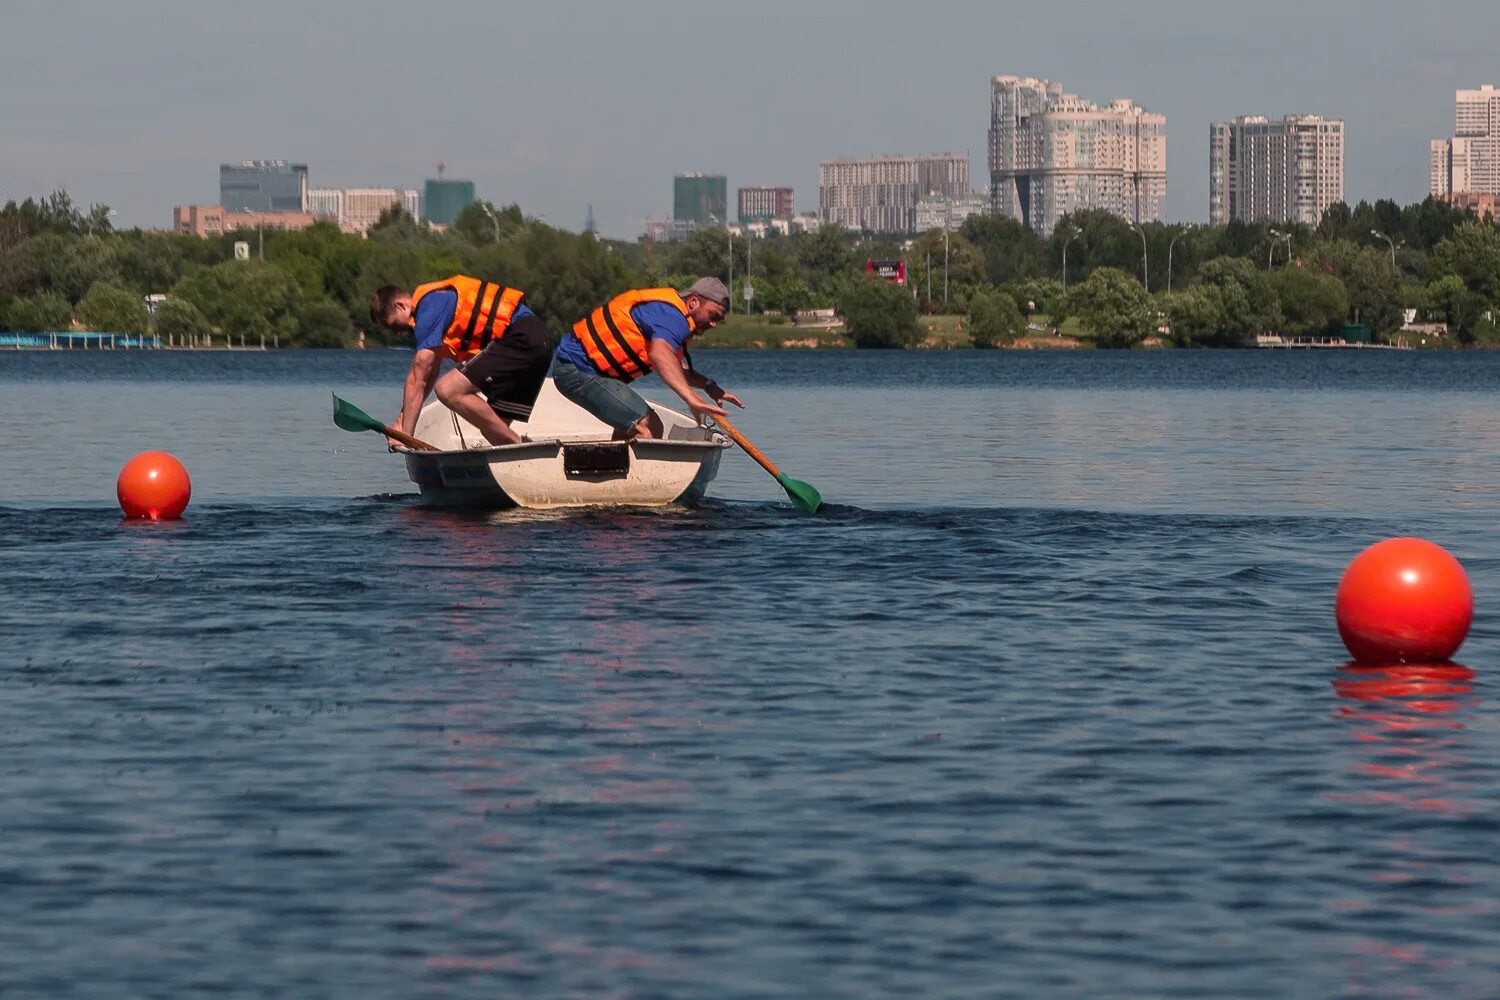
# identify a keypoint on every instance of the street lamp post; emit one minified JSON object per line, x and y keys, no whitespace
{"x":1185,"y":230}
{"x":1076,"y":233}
{"x":485,"y":208}
{"x":945,"y":267}
{"x":1389,"y":242}
{"x":749,"y":290}
{"x":260,"y":236}
{"x":1145,"y":275}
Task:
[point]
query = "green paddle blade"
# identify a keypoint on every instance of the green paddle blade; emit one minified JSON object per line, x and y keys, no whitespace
{"x":351,"y":418}
{"x":803,"y":496}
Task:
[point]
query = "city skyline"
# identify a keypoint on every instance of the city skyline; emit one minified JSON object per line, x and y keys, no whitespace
{"x":139,"y":118}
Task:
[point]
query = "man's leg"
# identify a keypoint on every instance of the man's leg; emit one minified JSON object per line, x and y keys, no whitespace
{"x":649,"y":426}
{"x":462,"y":397}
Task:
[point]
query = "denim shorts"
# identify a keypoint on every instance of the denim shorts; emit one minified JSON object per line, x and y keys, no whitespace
{"x":611,"y":400}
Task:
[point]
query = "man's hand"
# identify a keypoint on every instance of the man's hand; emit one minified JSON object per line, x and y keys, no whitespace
{"x":702,"y":408}
{"x":727,"y":397}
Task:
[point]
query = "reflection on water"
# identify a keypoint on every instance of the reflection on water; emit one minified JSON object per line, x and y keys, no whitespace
{"x":1409,"y":726}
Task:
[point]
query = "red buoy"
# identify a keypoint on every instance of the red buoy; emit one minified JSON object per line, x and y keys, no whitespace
{"x":1404,"y":600}
{"x":154,"y":485}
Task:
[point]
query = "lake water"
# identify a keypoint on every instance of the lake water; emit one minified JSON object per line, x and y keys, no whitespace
{"x":1048,"y":702}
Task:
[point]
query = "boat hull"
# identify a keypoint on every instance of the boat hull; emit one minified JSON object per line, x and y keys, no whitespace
{"x":566,"y":460}
{"x":537,"y":475}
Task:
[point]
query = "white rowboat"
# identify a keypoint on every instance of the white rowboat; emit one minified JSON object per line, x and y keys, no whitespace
{"x":566,"y":459}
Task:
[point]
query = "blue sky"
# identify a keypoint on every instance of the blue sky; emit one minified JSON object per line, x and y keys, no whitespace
{"x":560,"y":105}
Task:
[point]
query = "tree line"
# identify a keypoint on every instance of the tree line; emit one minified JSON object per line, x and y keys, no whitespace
{"x":63,"y":266}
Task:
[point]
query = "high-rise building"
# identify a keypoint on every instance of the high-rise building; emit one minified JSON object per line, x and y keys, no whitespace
{"x":443,"y":200}
{"x":880,"y":195}
{"x":326,"y":204}
{"x":1279,"y":171}
{"x":700,"y":198}
{"x":1469,"y":162}
{"x":356,"y":210}
{"x":263,"y":186}
{"x":949,"y":212}
{"x":1052,"y":153}
{"x":765,"y":203}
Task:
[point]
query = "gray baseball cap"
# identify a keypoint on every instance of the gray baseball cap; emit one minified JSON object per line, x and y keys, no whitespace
{"x":711,"y":289}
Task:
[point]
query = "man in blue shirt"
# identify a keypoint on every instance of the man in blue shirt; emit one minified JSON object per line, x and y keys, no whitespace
{"x":500,"y":345}
{"x":634,"y":333}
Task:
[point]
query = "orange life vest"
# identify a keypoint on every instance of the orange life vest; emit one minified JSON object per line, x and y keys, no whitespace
{"x":610,"y":337}
{"x":484,"y":311}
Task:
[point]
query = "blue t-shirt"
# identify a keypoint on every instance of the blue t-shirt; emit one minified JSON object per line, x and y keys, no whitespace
{"x":657,"y":320}
{"x":435,"y":314}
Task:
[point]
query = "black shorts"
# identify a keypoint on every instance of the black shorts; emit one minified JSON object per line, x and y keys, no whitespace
{"x":509,"y":371}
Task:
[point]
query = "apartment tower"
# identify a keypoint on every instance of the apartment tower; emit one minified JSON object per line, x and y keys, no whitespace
{"x":881,"y":195}
{"x":1052,"y":153}
{"x":1279,"y":171}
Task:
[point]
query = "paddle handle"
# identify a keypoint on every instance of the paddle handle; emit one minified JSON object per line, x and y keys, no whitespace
{"x":746,"y":444}
{"x":408,"y":440}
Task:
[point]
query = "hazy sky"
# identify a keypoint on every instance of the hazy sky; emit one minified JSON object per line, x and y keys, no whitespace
{"x":558,"y":105}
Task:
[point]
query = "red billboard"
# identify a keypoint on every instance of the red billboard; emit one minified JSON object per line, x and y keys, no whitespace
{"x":893,"y":271}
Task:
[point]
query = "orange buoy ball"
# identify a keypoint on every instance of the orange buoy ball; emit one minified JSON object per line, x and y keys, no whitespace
{"x":154,"y":485}
{"x":1404,"y":600}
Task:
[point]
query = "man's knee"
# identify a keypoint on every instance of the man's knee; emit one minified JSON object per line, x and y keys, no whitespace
{"x":649,"y":426}
{"x":453,"y":387}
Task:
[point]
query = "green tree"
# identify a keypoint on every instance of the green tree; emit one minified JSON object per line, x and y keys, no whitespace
{"x":1040,"y":295}
{"x":705,"y":252}
{"x":786,"y":294}
{"x":994,"y":319}
{"x":111,"y":309}
{"x":1458,"y":306}
{"x":322,"y":323}
{"x":248,"y":299}
{"x":1311,"y":302}
{"x":44,"y":312}
{"x":179,"y":321}
{"x":1011,"y":252}
{"x":396,"y":225}
{"x":1248,"y":300}
{"x":965,"y":266}
{"x":65,"y":264}
{"x":1113,"y":307}
{"x":152,"y":262}
{"x":482,"y":223}
{"x":879,"y":314}
{"x":1374,"y":291}
{"x":564,"y":275}
{"x":825,"y":256}
{"x":1473,"y":253}
{"x":1196,"y":315}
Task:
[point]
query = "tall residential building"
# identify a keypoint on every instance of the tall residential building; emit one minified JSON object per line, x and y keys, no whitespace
{"x":356,"y":210}
{"x":1469,"y":162}
{"x":766,"y":203}
{"x":263,"y":186}
{"x":443,"y":200}
{"x":881,"y":195}
{"x":1052,"y":153}
{"x":1279,"y":171}
{"x":701,"y":198}
{"x":948,"y":211}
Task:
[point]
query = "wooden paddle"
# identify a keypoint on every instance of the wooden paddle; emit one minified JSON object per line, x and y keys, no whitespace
{"x":803,"y":496}
{"x":351,"y":418}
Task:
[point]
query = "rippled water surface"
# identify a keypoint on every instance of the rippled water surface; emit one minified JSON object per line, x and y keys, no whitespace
{"x":1047,"y":703}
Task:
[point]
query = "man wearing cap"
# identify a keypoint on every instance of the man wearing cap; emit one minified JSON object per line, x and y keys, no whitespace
{"x":634,"y":333}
